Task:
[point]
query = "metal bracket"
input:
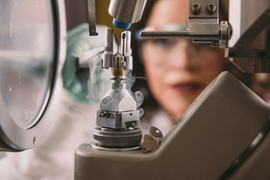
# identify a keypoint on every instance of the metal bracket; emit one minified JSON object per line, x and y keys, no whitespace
{"x":118,"y":120}
{"x":152,"y":140}
{"x":250,"y":60}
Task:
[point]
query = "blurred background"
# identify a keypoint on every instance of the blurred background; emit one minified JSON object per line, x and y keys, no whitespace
{"x":77,"y":14}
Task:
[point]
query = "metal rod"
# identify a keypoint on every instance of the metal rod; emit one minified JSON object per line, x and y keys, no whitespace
{"x":92,"y":17}
{"x":177,"y":34}
{"x":165,"y":34}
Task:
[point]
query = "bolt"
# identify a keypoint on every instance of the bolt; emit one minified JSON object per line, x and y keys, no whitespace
{"x":211,"y":9}
{"x":196,"y":9}
{"x":104,"y":114}
{"x":104,"y":101}
{"x":34,"y":140}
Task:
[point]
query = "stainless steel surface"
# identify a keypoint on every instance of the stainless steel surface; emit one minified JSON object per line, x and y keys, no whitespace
{"x":92,"y":17}
{"x":107,"y":57}
{"x":215,"y":131}
{"x":128,"y":11}
{"x":123,"y":59}
{"x":154,"y":131}
{"x":177,"y":34}
{"x":152,"y":140}
{"x":118,"y":117}
{"x":118,"y":120}
{"x":31,"y":46}
{"x":225,"y":34}
{"x":126,"y":49}
{"x":203,"y":23}
{"x":95,"y":146}
{"x":111,"y":138}
{"x":149,"y":143}
{"x":165,"y":34}
{"x":118,"y":99}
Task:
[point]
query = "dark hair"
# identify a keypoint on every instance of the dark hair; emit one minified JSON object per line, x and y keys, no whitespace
{"x":138,"y":69}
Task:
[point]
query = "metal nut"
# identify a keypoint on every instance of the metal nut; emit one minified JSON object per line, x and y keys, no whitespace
{"x":196,"y":9}
{"x":211,"y":9}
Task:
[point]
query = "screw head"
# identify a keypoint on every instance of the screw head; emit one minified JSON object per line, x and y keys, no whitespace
{"x":196,"y":9}
{"x":34,"y":140}
{"x":211,"y":9}
{"x":104,"y":114}
{"x":104,"y":101}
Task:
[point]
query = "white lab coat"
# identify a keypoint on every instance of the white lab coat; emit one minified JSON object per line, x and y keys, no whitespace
{"x":53,"y":159}
{"x":73,"y":124}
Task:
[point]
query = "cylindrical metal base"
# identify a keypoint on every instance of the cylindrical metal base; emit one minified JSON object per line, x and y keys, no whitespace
{"x":117,"y":138}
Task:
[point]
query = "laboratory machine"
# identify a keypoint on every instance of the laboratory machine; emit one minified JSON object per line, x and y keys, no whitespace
{"x":223,"y":135}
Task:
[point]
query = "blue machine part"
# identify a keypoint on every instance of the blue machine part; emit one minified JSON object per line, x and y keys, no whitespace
{"x":120,"y":24}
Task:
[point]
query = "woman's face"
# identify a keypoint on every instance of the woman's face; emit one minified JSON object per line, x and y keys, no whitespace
{"x":176,"y":69}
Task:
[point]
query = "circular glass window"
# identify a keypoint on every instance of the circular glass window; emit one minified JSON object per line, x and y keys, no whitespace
{"x":26,"y":58}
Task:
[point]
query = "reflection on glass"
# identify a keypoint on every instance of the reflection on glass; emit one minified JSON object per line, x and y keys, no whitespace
{"x":26,"y":58}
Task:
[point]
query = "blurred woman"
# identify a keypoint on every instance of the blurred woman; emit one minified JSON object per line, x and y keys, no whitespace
{"x":176,"y":70}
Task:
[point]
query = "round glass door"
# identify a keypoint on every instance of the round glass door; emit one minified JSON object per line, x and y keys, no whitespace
{"x":28,"y":62}
{"x":26,"y":58}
